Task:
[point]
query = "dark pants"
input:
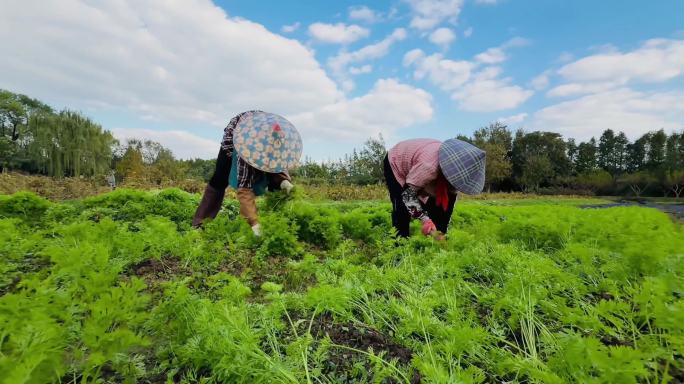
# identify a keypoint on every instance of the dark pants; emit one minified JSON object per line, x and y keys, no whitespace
{"x":400,"y":215}
{"x":219,"y":180}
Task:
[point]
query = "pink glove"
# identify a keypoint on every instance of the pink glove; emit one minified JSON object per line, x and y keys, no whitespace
{"x":428,"y":227}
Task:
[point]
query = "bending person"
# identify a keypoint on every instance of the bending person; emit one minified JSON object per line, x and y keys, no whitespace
{"x":256,"y":152}
{"x":424,"y":177}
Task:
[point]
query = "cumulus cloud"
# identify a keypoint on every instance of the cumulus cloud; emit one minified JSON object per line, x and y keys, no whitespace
{"x":361,"y":70}
{"x":427,"y":14}
{"x":488,"y":92}
{"x":339,"y":33}
{"x":621,"y":109}
{"x":158,"y":59}
{"x":291,"y":27}
{"x":541,"y":81}
{"x":577,"y":89}
{"x":492,"y":56}
{"x":365,"y":14}
{"x":339,"y":63}
{"x":442,"y":37}
{"x":185,"y":63}
{"x":183,"y":144}
{"x":388,"y":107}
{"x":472,"y":83}
{"x":515,"y":119}
{"x":448,"y":75}
{"x":657,"y":60}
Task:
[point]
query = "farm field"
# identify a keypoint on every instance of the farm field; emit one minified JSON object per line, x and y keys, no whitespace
{"x":118,"y":288}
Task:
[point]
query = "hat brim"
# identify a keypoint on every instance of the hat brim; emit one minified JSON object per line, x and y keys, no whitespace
{"x":263,"y":146}
{"x":463,"y":165}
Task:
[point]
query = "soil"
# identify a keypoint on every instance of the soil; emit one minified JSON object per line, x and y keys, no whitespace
{"x":156,"y":271}
{"x":359,"y":337}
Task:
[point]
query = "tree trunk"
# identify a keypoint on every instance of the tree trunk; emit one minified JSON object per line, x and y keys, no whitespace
{"x":677,"y":189}
{"x":636,"y":190}
{"x":15,"y":134}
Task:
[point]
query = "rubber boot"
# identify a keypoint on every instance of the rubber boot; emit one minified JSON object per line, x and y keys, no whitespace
{"x":210,"y":205}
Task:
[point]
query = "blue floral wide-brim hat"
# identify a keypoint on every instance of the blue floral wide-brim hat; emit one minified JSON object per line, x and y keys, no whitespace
{"x":267,"y":142}
{"x":463,"y":165}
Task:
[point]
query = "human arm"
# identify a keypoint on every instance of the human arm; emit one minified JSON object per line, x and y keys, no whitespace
{"x":415,"y":209}
{"x":280,"y":180}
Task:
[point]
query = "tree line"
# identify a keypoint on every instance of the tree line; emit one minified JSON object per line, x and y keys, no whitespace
{"x":34,"y":138}
{"x":543,"y":162}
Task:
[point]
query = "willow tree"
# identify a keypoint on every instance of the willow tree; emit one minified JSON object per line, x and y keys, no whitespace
{"x":69,"y":144}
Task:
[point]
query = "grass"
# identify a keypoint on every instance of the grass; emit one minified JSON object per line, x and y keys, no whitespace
{"x":118,"y":288}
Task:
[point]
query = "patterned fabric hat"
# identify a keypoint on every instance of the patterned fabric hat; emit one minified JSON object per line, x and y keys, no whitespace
{"x":267,"y":142}
{"x":463,"y":165}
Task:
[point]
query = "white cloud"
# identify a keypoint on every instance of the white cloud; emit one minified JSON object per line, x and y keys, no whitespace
{"x":184,"y":63}
{"x":361,"y":70}
{"x":577,"y":89}
{"x":442,"y":37}
{"x":161,"y":60}
{"x":657,"y":60}
{"x":339,"y":33}
{"x":339,"y":63}
{"x":365,"y":14}
{"x":446,"y":74}
{"x":515,"y":119}
{"x":387,"y":108}
{"x":541,"y":81}
{"x":290,"y":28}
{"x":492,"y":56}
{"x":427,"y":14}
{"x":486,"y":2}
{"x":622,"y":109}
{"x":474,"y":87}
{"x":487,"y":92}
{"x":565,"y":57}
{"x":183,"y":144}
{"x":468,"y":32}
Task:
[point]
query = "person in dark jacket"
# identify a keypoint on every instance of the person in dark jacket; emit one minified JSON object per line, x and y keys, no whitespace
{"x":256,"y":151}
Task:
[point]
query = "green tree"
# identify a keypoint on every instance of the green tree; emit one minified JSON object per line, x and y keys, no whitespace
{"x":586,"y":157}
{"x":674,"y":151}
{"x":638,"y":182}
{"x":606,"y":151}
{"x":597,"y":181}
{"x":370,"y":161}
{"x":496,"y":141}
{"x":572,"y":153}
{"x":131,"y":165}
{"x":537,"y":169}
{"x":637,"y":154}
{"x":529,"y":148}
{"x":674,"y":181}
{"x":656,"y":149}
{"x":620,"y":153}
{"x":495,"y":133}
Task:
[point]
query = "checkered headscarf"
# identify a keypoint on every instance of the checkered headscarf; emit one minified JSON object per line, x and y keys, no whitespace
{"x":463,"y":165}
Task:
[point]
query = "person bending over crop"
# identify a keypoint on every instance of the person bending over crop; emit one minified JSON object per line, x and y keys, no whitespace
{"x":424,"y":177}
{"x":256,"y":151}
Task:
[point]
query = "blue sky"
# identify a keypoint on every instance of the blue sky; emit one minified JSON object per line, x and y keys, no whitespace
{"x":342,"y":71}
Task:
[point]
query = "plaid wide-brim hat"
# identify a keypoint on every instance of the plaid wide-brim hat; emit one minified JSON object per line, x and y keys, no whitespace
{"x":267,"y":141}
{"x":463,"y":165}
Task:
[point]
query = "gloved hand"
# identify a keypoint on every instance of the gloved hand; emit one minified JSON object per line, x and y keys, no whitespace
{"x":256,"y":229}
{"x":428,"y":227}
{"x":286,"y":186}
